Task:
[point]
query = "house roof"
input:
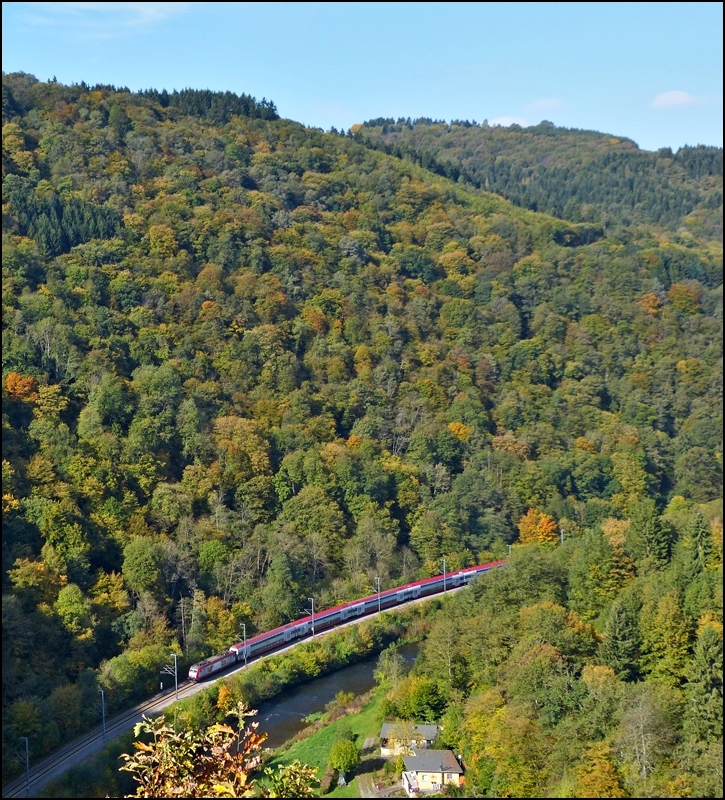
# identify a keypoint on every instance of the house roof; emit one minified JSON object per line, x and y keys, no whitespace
{"x":395,"y":729}
{"x":432,"y":761}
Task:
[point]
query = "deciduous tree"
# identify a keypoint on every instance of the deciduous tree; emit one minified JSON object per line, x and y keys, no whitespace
{"x":344,"y":755}
{"x":536,"y":527}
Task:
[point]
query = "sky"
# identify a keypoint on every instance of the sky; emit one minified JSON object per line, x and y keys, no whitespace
{"x":648,"y":71}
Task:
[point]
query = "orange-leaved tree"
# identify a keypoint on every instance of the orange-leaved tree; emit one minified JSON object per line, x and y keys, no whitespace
{"x":21,"y":386}
{"x":536,"y":527}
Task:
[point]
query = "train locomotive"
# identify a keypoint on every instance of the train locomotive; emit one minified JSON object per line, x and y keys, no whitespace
{"x":332,"y":617}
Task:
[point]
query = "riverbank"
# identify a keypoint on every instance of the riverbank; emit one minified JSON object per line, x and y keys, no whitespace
{"x":315,"y":749}
{"x":286,"y":715}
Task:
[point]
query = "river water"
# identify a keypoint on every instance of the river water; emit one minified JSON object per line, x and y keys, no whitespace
{"x":282,"y":717}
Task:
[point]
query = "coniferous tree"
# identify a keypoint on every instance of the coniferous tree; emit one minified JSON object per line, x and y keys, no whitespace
{"x":597,"y":775}
{"x":621,"y":643}
{"x":704,"y":718}
{"x":597,"y":575}
{"x":701,"y":542}
{"x":647,"y":537}
{"x":118,"y":119}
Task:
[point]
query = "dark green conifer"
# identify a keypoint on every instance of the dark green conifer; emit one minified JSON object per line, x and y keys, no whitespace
{"x":647,"y":537}
{"x":699,"y":535}
{"x":703,"y":718}
{"x":620,"y":646}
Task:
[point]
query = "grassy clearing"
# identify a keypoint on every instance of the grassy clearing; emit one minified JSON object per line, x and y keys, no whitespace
{"x":345,"y":791}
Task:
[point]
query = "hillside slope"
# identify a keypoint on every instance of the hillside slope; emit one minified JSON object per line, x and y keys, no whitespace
{"x":246,"y":362}
{"x":573,"y":174}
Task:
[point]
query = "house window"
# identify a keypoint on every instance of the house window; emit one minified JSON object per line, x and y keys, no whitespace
{"x":424,"y":777}
{"x":449,"y":777}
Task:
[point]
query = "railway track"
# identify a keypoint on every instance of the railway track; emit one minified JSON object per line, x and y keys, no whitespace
{"x":55,"y":765}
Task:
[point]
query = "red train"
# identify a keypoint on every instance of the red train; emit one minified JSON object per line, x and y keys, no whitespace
{"x":332,"y":617}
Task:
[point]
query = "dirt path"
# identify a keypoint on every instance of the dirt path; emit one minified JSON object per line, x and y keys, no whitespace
{"x":365,"y":786}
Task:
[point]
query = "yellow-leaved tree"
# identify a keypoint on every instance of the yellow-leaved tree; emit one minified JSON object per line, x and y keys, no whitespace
{"x":597,"y":775}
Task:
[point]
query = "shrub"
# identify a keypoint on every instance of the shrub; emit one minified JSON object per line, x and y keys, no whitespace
{"x":329,"y":779}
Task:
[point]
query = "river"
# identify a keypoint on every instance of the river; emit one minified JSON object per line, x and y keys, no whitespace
{"x":282,"y":717}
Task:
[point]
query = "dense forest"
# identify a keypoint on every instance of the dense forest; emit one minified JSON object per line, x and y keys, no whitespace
{"x":541,"y":704}
{"x":574,"y":174}
{"x":247,"y":362}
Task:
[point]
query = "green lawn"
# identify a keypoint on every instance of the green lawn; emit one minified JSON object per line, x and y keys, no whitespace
{"x":315,"y":750}
{"x":345,"y":791}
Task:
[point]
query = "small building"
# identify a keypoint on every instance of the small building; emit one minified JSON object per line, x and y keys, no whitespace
{"x":403,"y":737}
{"x":429,"y":771}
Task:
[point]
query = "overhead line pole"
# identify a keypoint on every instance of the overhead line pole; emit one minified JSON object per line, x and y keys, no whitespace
{"x":169,"y":670}
{"x":378,"y":582}
{"x":27,"y":764}
{"x":103,"y":712}
{"x":444,"y":576}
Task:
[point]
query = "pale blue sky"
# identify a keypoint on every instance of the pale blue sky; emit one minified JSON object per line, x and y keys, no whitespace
{"x":650,"y":71}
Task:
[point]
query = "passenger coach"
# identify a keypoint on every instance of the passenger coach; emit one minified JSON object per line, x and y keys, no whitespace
{"x":332,"y":617}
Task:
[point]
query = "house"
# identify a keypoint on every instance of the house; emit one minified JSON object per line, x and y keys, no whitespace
{"x":402,"y":737}
{"x":428,"y":771}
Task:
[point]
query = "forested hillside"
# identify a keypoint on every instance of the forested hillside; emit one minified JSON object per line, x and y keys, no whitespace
{"x":570,"y":173}
{"x":588,"y":670}
{"x":246,"y":362}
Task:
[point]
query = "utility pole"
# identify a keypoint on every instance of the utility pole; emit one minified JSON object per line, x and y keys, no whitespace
{"x":183,"y":623}
{"x":378,"y":582}
{"x":169,"y":670}
{"x":27,"y":764}
{"x":312,"y":613}
{"x":103,"y":712}
{"x":244,"y":629}
{"x":444,"y":576}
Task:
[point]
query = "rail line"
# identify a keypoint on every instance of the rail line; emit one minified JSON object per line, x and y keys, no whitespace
{"x":55,"y":765}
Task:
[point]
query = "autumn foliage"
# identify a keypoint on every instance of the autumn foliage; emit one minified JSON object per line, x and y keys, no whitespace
{"x":684,"y":298}
{"x":597,"y":775}
{"x":537,"y":528}
{"x":185,"y":764}
{"x":19,"y":386}
{"x":650,"y":303}
{"x":248,"y":362}
{"x":215,"y":762}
